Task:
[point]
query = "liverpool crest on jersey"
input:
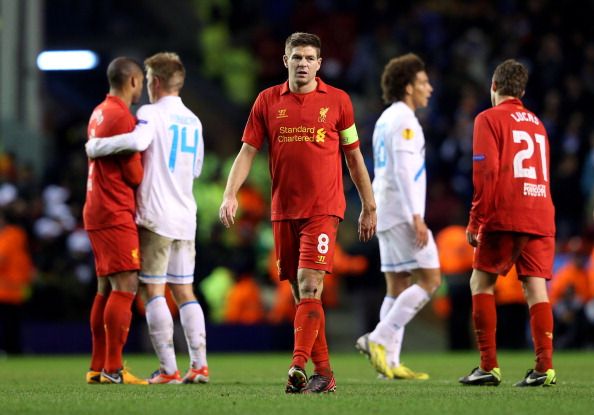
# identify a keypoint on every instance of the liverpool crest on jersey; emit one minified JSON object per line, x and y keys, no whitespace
{"x":323,"y":113}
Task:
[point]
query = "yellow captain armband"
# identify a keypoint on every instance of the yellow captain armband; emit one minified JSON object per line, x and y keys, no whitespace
{"x":349,"y":136}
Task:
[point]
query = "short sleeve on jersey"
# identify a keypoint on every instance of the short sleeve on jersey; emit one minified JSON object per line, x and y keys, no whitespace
{"x":255,"y":128}
{"x":404,"y":137}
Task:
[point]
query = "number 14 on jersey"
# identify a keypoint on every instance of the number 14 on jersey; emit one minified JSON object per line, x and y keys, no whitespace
{"x":181,"y":146}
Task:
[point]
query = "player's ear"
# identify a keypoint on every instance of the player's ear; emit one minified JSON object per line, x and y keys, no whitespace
{"x":409,"y":89}
{"x":286,"y":61}
{"x":493,"y":86}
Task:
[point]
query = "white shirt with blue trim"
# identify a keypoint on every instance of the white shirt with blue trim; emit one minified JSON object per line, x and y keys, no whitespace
{"x":400,"y":182}
{"x":171,"y":137}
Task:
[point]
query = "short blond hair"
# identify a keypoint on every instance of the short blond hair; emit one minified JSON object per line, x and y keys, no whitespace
{"x":168,"y":67}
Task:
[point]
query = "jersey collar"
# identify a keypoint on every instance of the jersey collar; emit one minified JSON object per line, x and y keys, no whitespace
{"x":321,"y":87}
{"x":116,"y":100}
{"x":513,"y":101}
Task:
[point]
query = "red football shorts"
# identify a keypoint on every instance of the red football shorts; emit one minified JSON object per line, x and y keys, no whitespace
{"x":116,"y":249}
{"x":304,"y":243}
{"x":533,"y":255}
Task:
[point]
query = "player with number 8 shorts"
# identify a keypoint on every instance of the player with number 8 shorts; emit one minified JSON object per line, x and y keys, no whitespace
{"x":306,"y":124}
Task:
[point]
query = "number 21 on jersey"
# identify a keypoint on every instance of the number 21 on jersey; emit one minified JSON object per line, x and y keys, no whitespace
{"x":520,"y":170}
{"x":181,"y":145}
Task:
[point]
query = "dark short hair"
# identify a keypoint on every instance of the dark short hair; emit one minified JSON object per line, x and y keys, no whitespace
{"x":303,"y":39}
{"x":120,"y":69}
{"x":511,"y":78}
{"x":398,"y":73}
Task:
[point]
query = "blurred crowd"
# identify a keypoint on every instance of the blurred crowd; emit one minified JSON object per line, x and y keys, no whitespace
{"x":236,"y":51}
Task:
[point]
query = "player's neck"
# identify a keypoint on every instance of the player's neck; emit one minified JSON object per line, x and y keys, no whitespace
{"x":408,"y":100}
{"x":499,"y":99}
{"x":127,"y":98}
{"x":303,"y":89}
{"x":164,"y":94}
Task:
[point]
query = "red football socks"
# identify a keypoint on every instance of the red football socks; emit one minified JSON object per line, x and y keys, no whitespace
{"x":319,"y":351}
{"x":541,"y":325}
{"x":117,"y":317}
{"x":98,"y":333}
{"x":306,"y":325}
{"x":484,"y":315}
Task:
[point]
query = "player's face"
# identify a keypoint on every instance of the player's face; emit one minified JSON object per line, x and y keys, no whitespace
{"x":303,"y":64}
{"x":421,"y":90}
{"x":138,"y":85}
{"x":151,"y":85}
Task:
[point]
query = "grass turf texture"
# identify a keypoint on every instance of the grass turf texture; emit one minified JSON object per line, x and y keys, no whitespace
{"x":254,"y":384}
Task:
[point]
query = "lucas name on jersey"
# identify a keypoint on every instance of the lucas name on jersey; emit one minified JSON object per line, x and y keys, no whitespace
{"x":520,"y":116}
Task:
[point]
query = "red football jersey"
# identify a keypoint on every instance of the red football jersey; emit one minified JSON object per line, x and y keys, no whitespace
{"x":511,"y":172}
{"x":304,"y":141}
{"x":110,"y":185}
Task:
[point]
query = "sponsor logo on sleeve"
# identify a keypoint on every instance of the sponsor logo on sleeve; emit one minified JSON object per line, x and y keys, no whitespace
{"x":478,"y":157}
{"x":408,"y":134}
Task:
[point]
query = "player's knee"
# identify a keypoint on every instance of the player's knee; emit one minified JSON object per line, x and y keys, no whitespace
{"x":310,"y":291}
{"x":430,"y":281}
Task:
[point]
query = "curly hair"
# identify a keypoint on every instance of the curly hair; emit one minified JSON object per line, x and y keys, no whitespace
{"x":398,"y":73}
{"x":511,"y":78}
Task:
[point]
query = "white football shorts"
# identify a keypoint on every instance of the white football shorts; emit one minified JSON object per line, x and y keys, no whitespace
{"x":398,"y":252}
{"x":165,"y":260}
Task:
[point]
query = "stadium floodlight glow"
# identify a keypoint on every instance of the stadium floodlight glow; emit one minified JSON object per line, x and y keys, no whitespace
{"x":67,"y":60}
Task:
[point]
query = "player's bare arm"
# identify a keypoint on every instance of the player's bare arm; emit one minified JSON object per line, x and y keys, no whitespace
{"x":360,"y":177}
{"x":421,"y":231}
{"x":239,"y":172}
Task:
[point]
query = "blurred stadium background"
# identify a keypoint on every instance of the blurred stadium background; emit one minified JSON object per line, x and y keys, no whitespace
{"x":232,"y":49}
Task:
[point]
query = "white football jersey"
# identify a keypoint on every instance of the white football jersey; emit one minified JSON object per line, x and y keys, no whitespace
{"x":400,"y":182}
{"x":172,"y":137}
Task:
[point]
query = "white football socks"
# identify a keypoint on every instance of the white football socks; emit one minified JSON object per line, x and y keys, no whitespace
{"x":393,"y":347}
{"x":386,"y":306}
{"x":192,"y":320}
{"x":160,"y":325}
{"x":406,"y":306}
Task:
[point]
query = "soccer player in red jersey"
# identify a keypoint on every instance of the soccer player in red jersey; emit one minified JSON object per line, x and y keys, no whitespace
{"x":108,"y":216}
{"x":511,"y":222}
{"x":306,"y":124}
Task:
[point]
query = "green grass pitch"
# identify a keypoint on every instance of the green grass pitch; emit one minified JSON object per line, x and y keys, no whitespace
{"x":254,"y":384}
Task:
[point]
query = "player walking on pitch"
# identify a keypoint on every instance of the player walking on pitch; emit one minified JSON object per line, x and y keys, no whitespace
{"x":108,"y":216}
{"x":306,"y":123}
{"x":407,"y":247}
{"x":511,"y":222}
{"x":172,"y":137}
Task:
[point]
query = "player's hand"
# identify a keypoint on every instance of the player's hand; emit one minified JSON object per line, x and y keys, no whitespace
{"x":227,"y":211}
{"x":89,"y":147}
{"x":367,"y":224}
{"x":472,"y":238}
{"x":421,"y":231}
